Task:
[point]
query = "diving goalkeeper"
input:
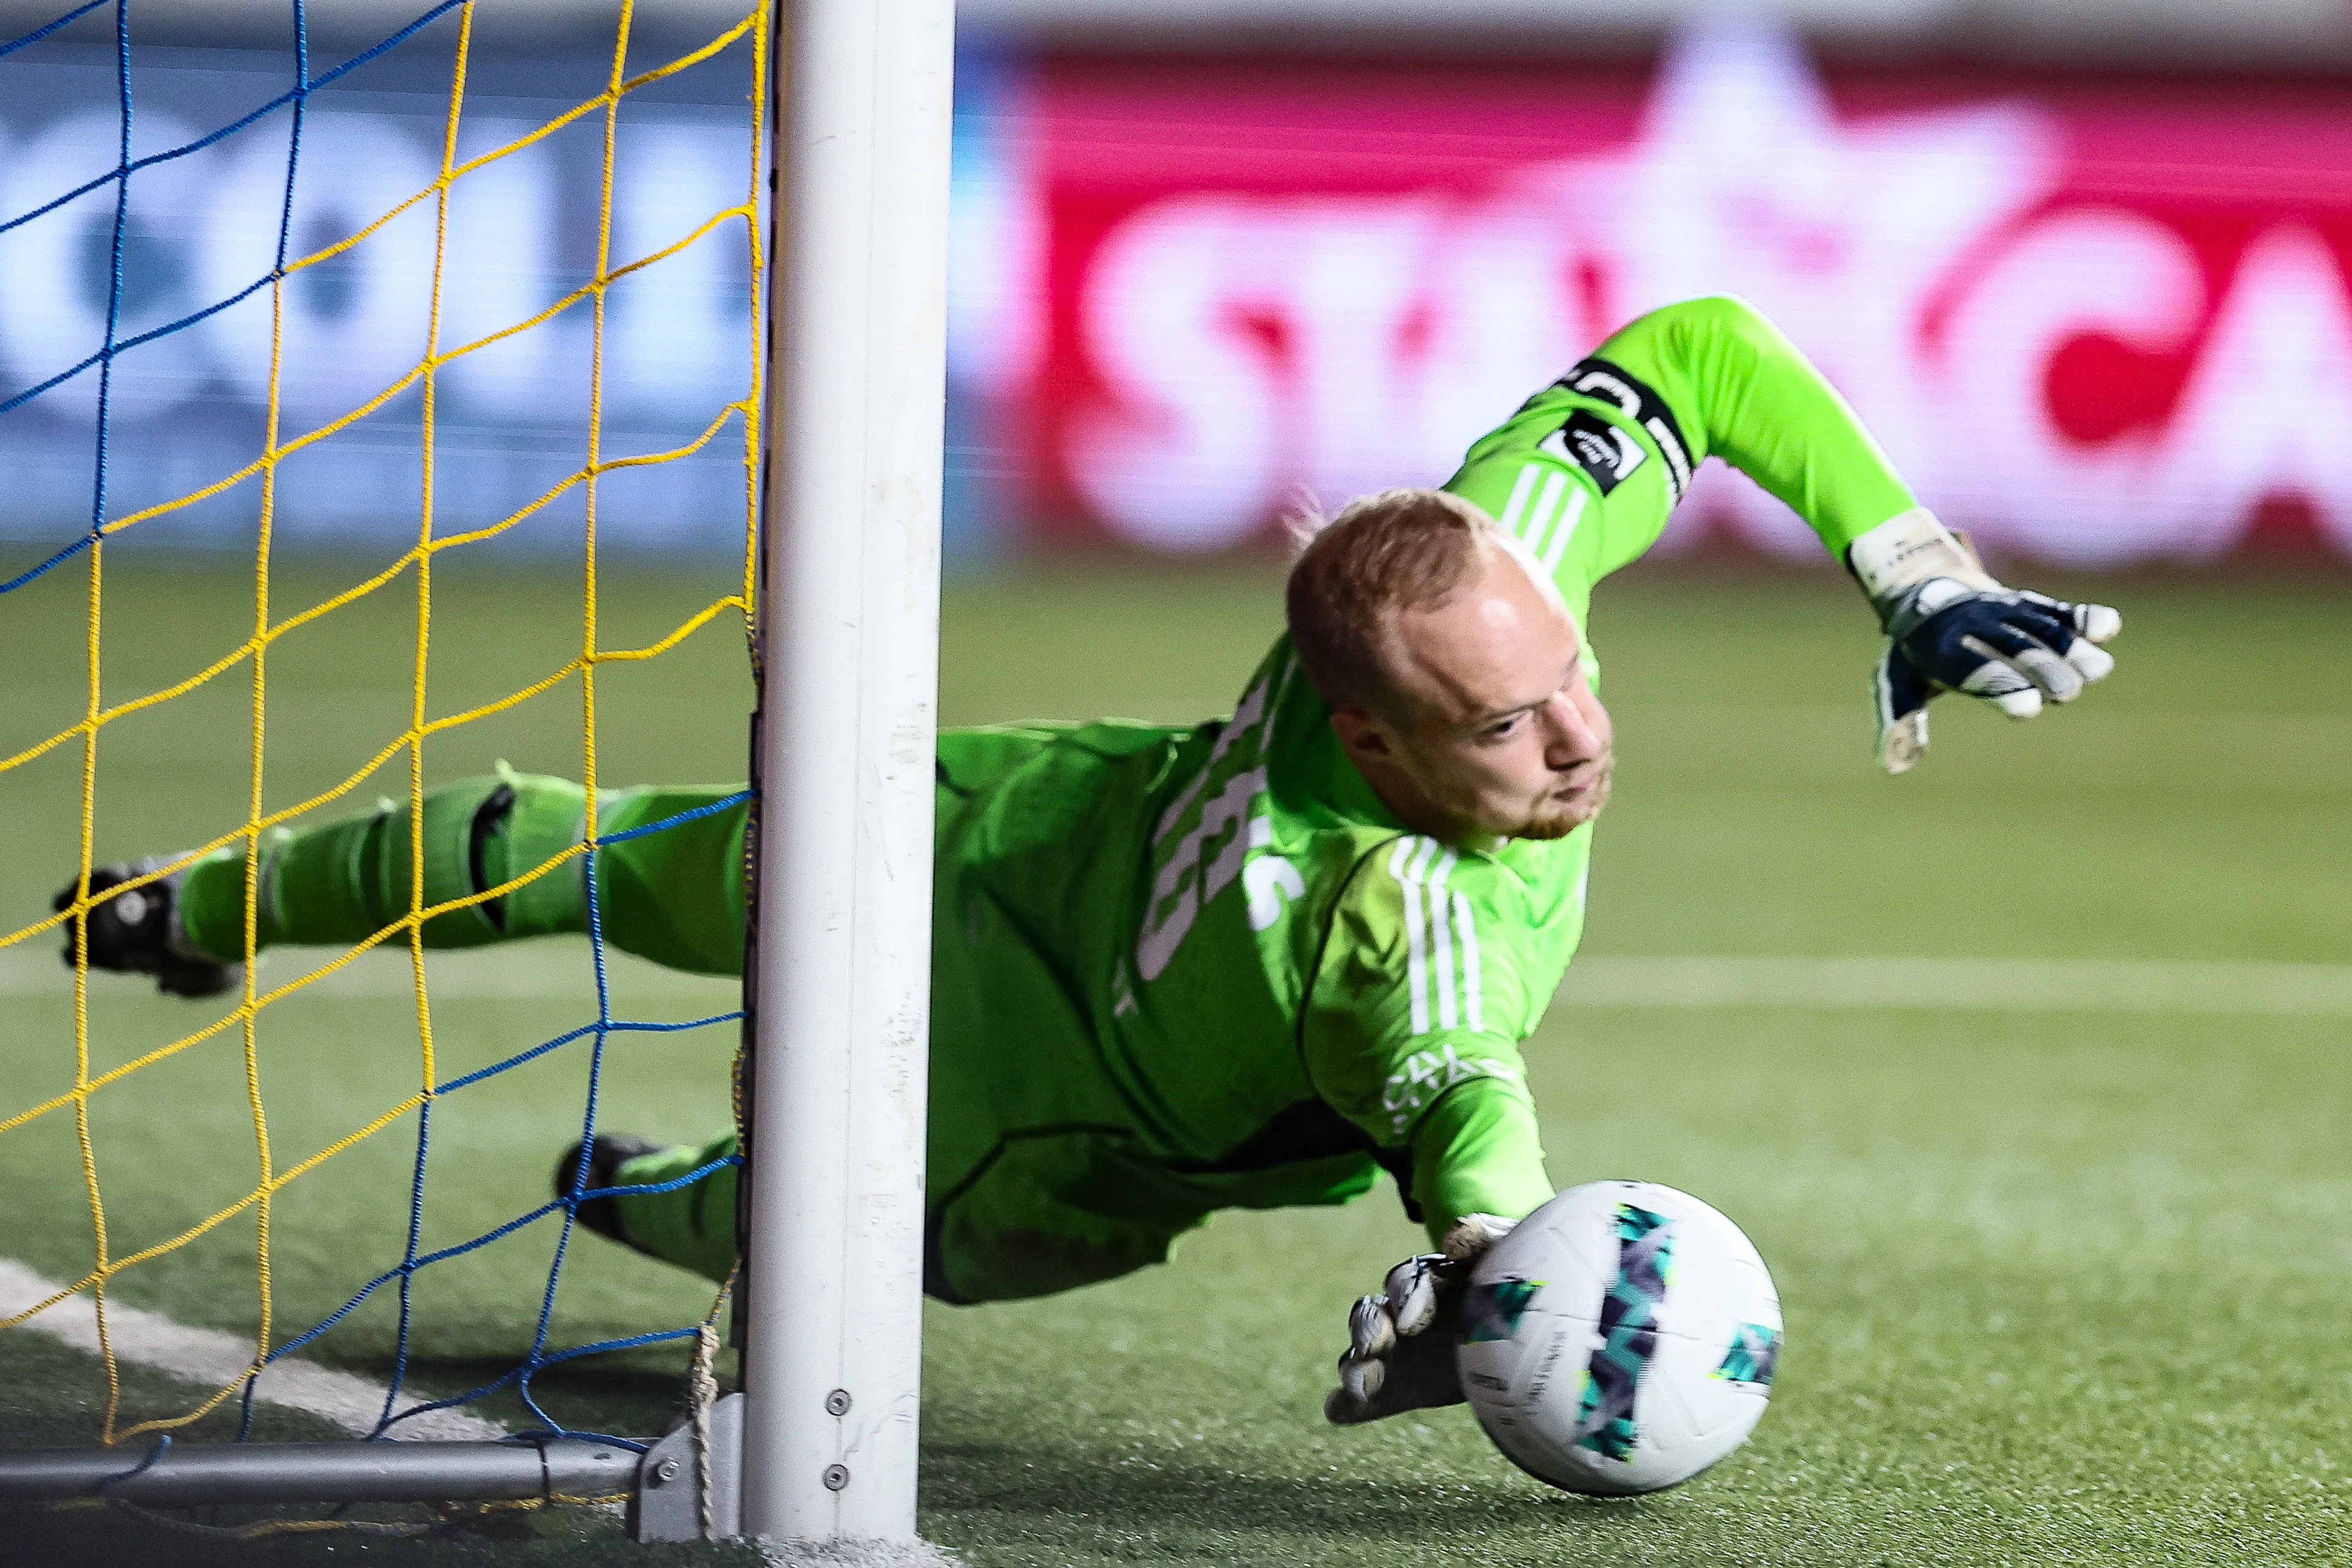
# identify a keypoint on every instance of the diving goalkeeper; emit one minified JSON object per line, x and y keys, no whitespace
{"x":1254,"y":963}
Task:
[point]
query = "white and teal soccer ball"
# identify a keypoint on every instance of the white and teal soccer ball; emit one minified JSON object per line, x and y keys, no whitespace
{"x":1621,"y":1340}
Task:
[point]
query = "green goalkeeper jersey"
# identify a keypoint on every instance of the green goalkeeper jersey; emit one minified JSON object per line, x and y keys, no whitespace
{"x":1279,"y":988}
{"x":1174,"y":970}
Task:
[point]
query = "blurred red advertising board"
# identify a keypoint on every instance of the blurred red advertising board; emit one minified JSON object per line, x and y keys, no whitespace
{"x":2096,"y":320}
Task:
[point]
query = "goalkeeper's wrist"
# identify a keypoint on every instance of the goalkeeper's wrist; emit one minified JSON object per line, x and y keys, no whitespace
{"x":1908,"y":550}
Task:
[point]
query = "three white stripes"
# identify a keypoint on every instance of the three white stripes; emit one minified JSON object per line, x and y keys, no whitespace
{"x":1438,"y":926}
{"x":1531,"y":523}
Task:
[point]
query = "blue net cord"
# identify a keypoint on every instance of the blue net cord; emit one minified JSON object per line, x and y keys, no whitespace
{"x":577,"y":1192}
{"x":38,"y":34}
{"x":300,"y":99}
{"x":125,"y":166}
{"x":409,"y":1265}
{"x":115,"y":262}
{"x":535,"y":1360}
{"x":304,"y":87}
{"x":162,"y":1447}
{"x":114,"y":345}
{"x":581,"y":1033}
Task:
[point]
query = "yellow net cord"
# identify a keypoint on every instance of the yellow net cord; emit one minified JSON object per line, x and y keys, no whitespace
{"x":97,"y":715}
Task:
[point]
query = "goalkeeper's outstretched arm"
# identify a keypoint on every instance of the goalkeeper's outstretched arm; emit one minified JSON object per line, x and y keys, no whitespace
{"x":1744,"y":393}
{"x":502,"y":860}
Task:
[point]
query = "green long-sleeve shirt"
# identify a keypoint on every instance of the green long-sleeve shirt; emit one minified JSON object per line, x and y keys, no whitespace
{"x":1286,"y":907}
{"x":1179,"y":970}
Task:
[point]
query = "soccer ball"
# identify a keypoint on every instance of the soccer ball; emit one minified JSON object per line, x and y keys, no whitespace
{"x":1621,"y":1340}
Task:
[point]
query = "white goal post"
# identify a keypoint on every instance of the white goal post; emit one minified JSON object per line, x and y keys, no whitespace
{"x":837,"y":977}
{"x":849,"y":631}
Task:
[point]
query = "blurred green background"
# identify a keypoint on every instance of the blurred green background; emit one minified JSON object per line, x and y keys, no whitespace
{"x":2062,"y":1285}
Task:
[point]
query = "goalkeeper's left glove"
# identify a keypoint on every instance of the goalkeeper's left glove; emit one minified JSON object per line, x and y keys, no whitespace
{"x":1400,"y":1343}
{"x":1952,"y":627}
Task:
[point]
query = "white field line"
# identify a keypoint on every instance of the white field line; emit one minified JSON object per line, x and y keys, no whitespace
{"x":209,"y":1358}
{"x":552,"y":970}
{"x":1979,"y":985}
{"x":558,"y":969}
{"x":855,"y":1554}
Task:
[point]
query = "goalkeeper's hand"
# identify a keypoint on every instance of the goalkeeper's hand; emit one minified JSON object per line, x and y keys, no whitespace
{"x":1952,"y":627}
{"x":1400,"y":1343}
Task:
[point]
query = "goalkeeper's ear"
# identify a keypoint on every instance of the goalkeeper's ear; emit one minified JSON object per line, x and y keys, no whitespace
{"x":1364,"y":736}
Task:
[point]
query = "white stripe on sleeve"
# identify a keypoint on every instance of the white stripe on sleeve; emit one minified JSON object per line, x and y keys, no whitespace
{"x":1565,"y":532}
{"x":1428,"y":848}
{"x":1517,"y":505}
{"x":1465,"y":925}
{"x":1440,"y":940}
{"x":1554,"y":484}
{"x":1415,"y":960}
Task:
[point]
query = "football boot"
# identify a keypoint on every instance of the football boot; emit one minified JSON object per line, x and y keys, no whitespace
{"x":137,"y":931}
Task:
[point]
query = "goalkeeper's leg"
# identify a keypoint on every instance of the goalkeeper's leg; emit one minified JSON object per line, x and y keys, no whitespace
{"x":673,"y":894}
{"x":342,"y":882}
{"x":692,"y":1225}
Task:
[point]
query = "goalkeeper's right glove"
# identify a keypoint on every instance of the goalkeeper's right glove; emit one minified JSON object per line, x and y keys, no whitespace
{"x":1952,"y":627}
{"x":138,"y":930}
{"x":1400,"y":1343}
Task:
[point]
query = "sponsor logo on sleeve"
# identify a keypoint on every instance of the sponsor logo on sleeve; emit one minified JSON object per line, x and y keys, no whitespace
{"x":1603,"y":450}
{"x":1637,"y":401}
{"x":1425,"y":1074}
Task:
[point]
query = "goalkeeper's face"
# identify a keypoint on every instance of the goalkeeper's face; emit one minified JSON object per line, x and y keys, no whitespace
{"x":1494,"y":729}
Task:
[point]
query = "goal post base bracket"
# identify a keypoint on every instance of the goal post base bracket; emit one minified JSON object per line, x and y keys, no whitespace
{"x":666,"y":1504}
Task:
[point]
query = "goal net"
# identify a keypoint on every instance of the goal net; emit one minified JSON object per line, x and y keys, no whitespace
{"x":484,"y":320}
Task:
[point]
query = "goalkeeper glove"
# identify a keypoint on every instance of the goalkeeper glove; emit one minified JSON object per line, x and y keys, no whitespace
{"x":1400,"y":1343}
{"x":1952,"y":627}
{"x":138,"y":932}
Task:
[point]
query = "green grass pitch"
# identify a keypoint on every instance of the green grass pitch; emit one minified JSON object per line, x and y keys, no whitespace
{"x":2061,"y":1286}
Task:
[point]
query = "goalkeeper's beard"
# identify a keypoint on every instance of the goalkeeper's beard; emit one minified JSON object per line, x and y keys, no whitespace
{"x":1554,"y":815}
{"x":1557,"y":819}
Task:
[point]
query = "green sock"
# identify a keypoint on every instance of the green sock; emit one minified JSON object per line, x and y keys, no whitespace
{"x":344,"y":882}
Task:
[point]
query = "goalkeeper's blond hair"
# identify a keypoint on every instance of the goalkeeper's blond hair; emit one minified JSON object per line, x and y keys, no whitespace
{"x":1404,"y":549}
